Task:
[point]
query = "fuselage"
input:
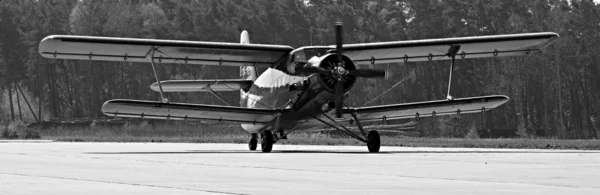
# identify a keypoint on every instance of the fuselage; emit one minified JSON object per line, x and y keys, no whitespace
{"x":301,"y":96}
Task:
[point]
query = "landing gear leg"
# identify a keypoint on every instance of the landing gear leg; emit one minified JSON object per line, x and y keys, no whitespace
{"x":373,"y":139}
{"x":266,"y":137}
{"x":253,"y":142}
{"x":266,"y":141}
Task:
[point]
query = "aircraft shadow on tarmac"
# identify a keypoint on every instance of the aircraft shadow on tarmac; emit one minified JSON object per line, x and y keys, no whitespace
{"x":340,"y":152}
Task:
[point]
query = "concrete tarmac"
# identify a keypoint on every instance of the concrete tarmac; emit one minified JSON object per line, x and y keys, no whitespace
{"x":177,"y":168}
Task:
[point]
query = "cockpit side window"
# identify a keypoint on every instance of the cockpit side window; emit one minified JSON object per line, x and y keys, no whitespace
{"x":299,"y":57}
{"x":310,"y":53}
{"x":315,"y":52}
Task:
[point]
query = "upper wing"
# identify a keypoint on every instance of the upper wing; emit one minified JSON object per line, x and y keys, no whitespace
{"x":437,"y":49}
{"x":182,"y":111}
{"x":166,"y":51}
{"x":430,"y":108}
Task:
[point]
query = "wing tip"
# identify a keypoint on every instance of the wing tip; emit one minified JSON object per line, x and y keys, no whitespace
{"x":500,"y":99}
{"x":107,"y":107}
{"x":154,"y":87}
{"x":45,"y":45}
{"x":553,"y":36}
{"x":497,"y":97}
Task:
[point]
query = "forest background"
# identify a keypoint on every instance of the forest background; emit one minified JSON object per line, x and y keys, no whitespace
{"x":553,"y":94}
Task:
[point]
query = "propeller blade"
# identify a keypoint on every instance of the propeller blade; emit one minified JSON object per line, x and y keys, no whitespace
{"x":339,"y":86}
{"x":367,"y":73}
{"x":339,"y":98}
{"x":339,"y":42}
{"x":311,"y":70}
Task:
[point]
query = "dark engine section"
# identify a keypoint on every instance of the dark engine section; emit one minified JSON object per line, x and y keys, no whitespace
{"x":325,"y":67}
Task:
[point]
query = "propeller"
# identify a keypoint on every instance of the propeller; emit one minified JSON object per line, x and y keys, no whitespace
{"x":340,"y":71}
{"x":311,"y":70}
{"x":339,"y":96}
{"x":368,"y":73}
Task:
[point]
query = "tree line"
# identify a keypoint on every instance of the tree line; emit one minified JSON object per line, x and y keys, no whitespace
{"x":553,"y":93}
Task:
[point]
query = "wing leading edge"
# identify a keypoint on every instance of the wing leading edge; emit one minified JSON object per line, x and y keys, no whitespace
{"x":182,"y":111}
{"x":165,"y":51}
{"x":437,"y":49}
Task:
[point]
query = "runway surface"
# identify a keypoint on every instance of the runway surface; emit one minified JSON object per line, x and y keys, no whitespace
{"x":172,"y":168}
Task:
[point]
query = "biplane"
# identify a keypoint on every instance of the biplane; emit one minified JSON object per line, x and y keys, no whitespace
{"x":285,"y":89}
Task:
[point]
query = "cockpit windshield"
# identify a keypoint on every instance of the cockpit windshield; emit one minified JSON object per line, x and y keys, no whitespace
{"x":318,"y":52}
{"x":303,"y":55}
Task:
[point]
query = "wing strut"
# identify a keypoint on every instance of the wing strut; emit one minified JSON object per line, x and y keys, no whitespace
{"x":217,"y":95}
{"x":360,"y":127}
{"x":151,"y":59}
{"x":349,"y":132}
{"x":451,"y":53}
{"x":340,"y":128}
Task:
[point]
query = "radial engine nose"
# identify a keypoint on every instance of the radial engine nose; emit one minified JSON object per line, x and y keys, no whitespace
{"x":327,"y":68}
{"x":337,"y":73}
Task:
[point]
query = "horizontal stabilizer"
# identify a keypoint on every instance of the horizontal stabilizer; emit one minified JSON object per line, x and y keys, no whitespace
{"x":202,"y":85}
{"x":183,"y":111}
{"x":427,"y":109}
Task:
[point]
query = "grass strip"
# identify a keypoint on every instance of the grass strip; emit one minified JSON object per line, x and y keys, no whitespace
{"x":320,"y":139}
{"x":234,"y":134}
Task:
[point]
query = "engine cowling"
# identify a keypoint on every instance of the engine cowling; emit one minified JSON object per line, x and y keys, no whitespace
{"x":326,"y":67}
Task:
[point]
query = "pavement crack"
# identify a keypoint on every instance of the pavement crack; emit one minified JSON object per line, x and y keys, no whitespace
{"x":349,"y":173}
{"x":120,"y":183}
{"x":362,"y":174}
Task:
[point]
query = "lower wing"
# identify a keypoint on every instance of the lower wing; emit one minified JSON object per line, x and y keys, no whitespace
{"x":183,"y":111}
{"x":374,"y":114}
{"x":426,"y":109}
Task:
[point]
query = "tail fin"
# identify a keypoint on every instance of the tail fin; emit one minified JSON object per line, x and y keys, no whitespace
{"x":246,"y":72}
{"x":244,"y":38}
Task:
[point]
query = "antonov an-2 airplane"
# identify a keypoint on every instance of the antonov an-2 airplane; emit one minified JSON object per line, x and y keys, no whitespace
{"x":315,"y":77}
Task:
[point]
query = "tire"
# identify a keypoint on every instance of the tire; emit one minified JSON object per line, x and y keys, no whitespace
{"x":253,"y":143}
{"x":373,"y":141}
{"x":266,"y":141}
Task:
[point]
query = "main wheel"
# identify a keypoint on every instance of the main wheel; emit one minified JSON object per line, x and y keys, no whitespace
{"x":266,"y":141}
{"x":373,"y":141}
{"x":253,"y":142}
